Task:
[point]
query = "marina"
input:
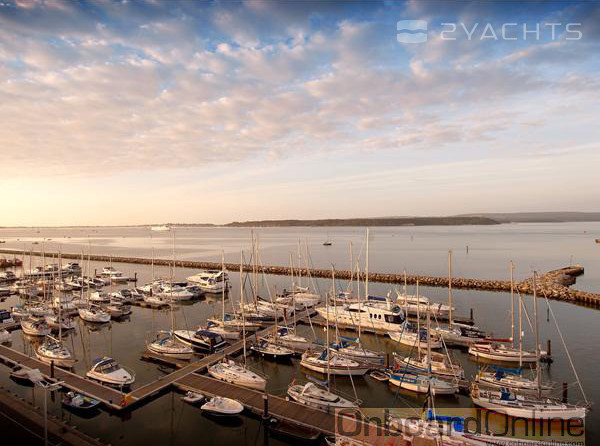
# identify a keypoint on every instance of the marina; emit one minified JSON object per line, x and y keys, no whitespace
{"x":183,"y":375}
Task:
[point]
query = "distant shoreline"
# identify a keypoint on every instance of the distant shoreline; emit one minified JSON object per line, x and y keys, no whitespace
{"x":483,"y":219}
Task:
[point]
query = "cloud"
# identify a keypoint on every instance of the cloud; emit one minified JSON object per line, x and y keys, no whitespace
{"x":104,"y":87}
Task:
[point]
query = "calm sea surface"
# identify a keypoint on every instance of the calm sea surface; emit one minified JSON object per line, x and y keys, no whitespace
{"x":478,"y":251}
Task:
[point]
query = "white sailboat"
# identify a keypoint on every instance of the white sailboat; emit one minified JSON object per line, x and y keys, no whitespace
{"x":311,"y":395}
{"x":54,"y":351}
{"x":500,"y":352}
{"x":526,"y":406}
{"x":326,"y":363}
{"x":230,"y":371}
{"x":94,"y":314}
{"x":424,"y":383}
{"x":166,"y":343}
{"x":35,"y":327}
{"x":499,"y":378}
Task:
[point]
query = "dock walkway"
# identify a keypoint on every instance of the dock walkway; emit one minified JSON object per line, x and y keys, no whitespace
{"x":254,"y":401}
{"x":108,"y":396}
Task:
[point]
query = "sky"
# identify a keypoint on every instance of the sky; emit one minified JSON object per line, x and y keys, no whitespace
{"x":134,"y":112}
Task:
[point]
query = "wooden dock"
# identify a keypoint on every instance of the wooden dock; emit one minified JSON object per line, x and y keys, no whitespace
{"x":254,"y":401}
{"x":110,"y":397}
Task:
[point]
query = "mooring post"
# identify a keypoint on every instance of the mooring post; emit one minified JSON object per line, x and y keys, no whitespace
{"x":471,"y":314}
{"x":265,"y":406}
{"x":549,"y":348}
{"x":565,"y":392}
{"x":135,"y":277}
{"x":95,"y":272}
{"x":52,"y":366}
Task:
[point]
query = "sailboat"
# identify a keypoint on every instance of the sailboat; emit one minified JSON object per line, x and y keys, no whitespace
{"x":418,"y":338}
{"x":269,"y":349}
{"x":94,"y":314}
{"x":166,"y":342}
{"x":54,"y":350}
{"x":424,"y":383}
{"x":513,"y":379}
{"x":311,"y":395}
{"x":35,"y":327}
{"x":455,"y":333}
{"x":223,"y":330}
{"x":440,"y":364}
{"x":326,"y":363}
{"x":500,"y":352}
{"x":530,"y":407}
{"x":230,"y":371}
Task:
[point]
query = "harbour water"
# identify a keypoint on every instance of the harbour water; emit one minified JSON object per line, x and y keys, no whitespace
{"x":421,"y":250}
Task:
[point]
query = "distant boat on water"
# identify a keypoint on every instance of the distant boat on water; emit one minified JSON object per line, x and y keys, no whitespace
{"x":160,"y":228}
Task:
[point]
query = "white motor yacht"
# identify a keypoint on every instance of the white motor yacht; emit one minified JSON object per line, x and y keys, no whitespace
{"x":108,"y":371}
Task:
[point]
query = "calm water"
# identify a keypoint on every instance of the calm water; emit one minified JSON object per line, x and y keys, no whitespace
{"x":167,"y":420}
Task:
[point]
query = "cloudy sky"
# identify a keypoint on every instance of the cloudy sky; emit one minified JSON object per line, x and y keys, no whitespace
{"x":133,"y":112}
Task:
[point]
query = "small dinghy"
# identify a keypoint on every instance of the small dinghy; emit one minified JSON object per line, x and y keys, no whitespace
{"x":379,"y":375}
{"x":222,"y":406}
{"x":78,"y":401}
{"x":193,"y":397}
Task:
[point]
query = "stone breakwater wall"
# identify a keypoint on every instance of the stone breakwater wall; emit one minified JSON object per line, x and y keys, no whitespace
{"x":553,"y":284}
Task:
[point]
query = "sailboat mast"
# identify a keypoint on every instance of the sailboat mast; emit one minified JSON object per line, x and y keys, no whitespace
{"x":327,"y":330}
{"x":450,"y":286}
{"x":242,"y":303}
{"x":171,"y":288}
{"x":59,"y":296}
{"x":512,"y":305}
{"x":224,"y":285}
{"x":538,"y":371}
{"x":428,"y":344}
{"x":520,"y":331}
{"x":367,"y":270}
{"x":419,"y":321}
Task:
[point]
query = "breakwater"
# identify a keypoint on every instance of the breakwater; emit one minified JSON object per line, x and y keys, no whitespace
{"x":554,"y":284}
